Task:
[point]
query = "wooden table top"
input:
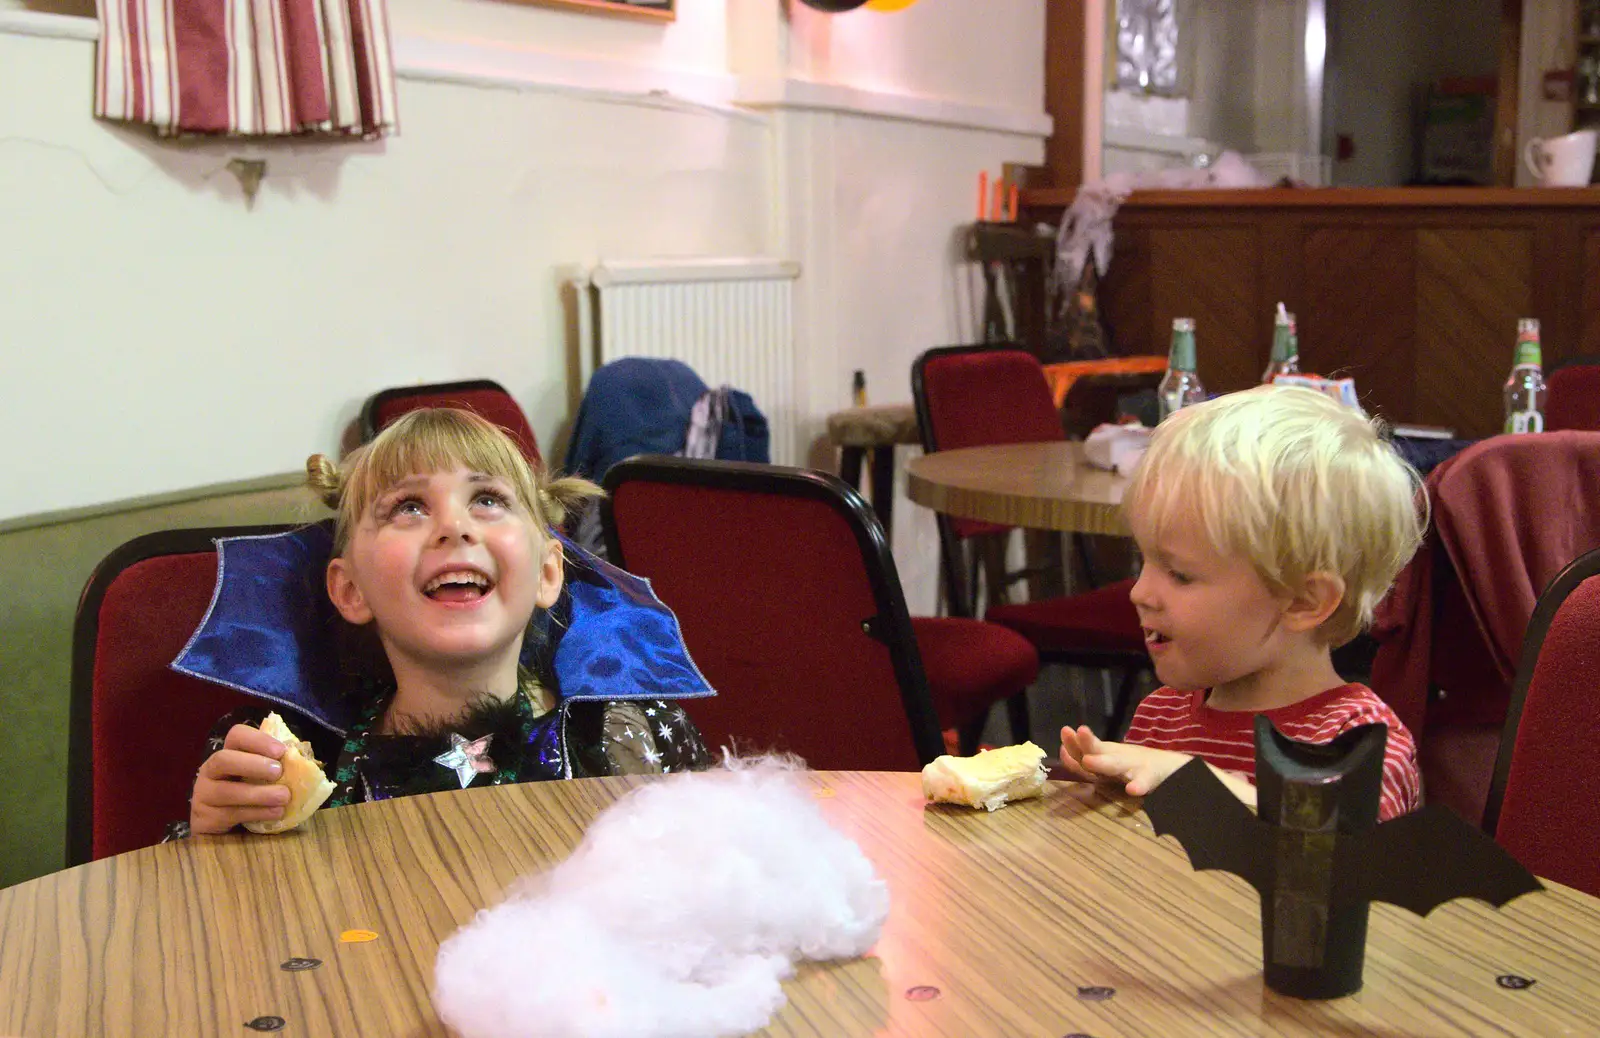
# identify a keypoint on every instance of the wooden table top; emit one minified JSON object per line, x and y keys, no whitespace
{"x":1038,"y":486}
{"x":1017,"y":921}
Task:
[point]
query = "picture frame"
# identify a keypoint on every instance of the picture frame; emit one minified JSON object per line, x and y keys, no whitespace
{"x":642,"y":10}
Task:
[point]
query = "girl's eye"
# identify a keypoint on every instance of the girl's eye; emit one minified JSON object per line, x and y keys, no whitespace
{"x":491,"y":499}
{"x":1179,"y":577}
{"x":406,"y":506}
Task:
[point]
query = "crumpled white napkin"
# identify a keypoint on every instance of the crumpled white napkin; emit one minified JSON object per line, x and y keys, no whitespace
{"x":686,"y":904}
{"x":1116,"y":448}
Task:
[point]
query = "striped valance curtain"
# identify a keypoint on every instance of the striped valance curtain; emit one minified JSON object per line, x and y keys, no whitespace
{"x":247,"y":67}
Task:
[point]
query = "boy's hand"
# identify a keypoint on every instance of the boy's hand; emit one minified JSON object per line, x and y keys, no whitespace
{"x":1138,"y":769}
{"x":235,"y":783}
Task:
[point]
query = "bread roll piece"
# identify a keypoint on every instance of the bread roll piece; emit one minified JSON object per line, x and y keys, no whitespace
{"x":988,"y":780}
{"x":308,"y":786}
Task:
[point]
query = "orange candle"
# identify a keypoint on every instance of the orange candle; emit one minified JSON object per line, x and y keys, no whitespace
{"x":983,"y":193}
{"x":1013,"y":213}
{"x":998,"y":212}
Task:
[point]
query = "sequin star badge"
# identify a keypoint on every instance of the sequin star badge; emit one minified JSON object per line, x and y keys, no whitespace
{"x":467,"y":759}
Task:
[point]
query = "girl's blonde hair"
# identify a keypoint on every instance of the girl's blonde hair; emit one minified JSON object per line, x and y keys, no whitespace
{"x":431,"y":440}
{"x":1294,"y":482}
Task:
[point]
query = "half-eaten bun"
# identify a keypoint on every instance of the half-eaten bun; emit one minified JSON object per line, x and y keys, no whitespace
{"x":302,"y":775}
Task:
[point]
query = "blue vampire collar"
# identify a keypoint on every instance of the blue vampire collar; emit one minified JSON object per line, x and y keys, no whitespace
{"x":270,"y":631}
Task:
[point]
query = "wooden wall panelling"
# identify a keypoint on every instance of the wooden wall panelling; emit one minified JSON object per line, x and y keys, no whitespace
{"x":1588,"y":332}
{"x":1558,"y":288}
{"x":1064,"y":91}
{"x":1212,"y":273}
{"x":1472,"y":285}
{"x":1125,"y":296}
{"x":1358,"y":319}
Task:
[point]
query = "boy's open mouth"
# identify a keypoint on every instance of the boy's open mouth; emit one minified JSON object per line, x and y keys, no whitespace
{"x":1155,"y":637}
{"x":458,"y":585}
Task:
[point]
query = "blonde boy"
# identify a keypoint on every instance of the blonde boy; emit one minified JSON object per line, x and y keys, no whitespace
{"x":1271,"y":522}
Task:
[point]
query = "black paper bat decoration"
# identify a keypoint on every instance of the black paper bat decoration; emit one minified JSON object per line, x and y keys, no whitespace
{"x":1316,"y":854}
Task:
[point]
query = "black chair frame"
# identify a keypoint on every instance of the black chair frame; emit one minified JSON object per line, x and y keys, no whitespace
{"x":1544,"y":613}
{"x":85,"y":635}
{"x":891,"y":625}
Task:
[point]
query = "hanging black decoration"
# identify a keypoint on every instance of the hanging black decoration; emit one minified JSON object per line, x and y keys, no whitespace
{"x":834,"y":6}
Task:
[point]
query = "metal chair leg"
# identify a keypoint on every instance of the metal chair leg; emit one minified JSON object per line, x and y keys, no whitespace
{"x":970,"y":735}
{"x":1117,"y":720}
{"x":1017,"y":713}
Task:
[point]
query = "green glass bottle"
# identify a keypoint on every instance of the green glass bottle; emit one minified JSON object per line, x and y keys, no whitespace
{"x":1285,"y":358}
{"x":1180,"y":386}
{"x":1524,"y":390}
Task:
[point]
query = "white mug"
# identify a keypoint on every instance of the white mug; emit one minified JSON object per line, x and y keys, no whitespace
{"x":1562,"y":161}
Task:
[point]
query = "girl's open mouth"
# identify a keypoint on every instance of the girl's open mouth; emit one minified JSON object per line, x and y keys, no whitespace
{"x":458,"y":586}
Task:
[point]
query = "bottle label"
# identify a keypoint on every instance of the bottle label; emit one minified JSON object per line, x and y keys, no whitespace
{"x":1524,"y":422}
{"x":1528,"y":354}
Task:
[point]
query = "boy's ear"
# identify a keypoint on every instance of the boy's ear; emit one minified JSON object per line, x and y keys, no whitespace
{"x":1315,"y":600}
{"x":551,"y":574}
{"x":345,"y":595}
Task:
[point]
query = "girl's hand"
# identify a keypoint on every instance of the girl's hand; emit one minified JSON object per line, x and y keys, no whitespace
{"x":1138,"y":769}
{"x":235,"y":784}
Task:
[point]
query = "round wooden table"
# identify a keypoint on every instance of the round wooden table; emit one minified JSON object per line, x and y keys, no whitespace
{"x":1038,"y":486}
{"x":1063,"y":915}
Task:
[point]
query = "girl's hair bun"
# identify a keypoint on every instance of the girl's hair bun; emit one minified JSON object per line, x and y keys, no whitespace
{"x":322,"y":476}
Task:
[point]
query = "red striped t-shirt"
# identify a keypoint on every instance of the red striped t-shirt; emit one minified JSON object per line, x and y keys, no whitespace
{"x":1171,"y":719}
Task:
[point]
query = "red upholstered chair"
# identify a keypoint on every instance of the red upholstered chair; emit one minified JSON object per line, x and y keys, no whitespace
{"x":1508,"y":513}
{"x":973,"y":396}
{"x":483,"y":396}
{"x":1572,"y":398}
{"x":137,"y":729}
{"x":789,"y":602}
{"x":1542,"y":806}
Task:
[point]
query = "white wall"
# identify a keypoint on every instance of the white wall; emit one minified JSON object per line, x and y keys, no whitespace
{"x":160,"y":334}
{"x":199,"y":340}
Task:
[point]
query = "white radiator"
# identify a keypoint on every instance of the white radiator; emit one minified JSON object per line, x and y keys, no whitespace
{"x":731,"y":320}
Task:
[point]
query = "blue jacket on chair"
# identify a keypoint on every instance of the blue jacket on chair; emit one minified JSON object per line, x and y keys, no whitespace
{"x":641,"y":405}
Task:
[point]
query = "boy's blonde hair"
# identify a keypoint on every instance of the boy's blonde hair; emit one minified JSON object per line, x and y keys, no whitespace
{"x":435,"y":439}
{"x":1294,"y":482}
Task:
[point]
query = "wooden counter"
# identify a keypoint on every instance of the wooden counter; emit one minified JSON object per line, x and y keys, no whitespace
{"x":1415,"y":292}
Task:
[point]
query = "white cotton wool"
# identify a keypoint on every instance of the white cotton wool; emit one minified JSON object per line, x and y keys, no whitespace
{"x":686,"y":904}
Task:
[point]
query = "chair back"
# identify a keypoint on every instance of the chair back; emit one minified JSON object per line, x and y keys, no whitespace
{"x":482,"y":396}
{"x":1541,"y":805}
{"x":1503,"y":526}
{"x":137,"y":728}
{"x":976,"y":396}
{"x":1572,"y":395}
{"x":789,"y":603}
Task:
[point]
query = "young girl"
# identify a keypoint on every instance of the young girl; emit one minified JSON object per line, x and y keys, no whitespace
{"x":445,"y":564}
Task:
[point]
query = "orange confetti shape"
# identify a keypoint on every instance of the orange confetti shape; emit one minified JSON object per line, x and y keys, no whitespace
{"x":357,"y":937}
